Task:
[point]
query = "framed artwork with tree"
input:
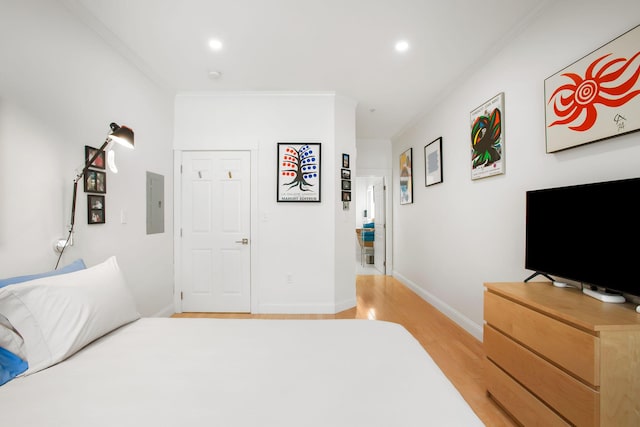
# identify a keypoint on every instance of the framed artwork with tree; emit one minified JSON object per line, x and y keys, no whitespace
{"x":299,"y":172}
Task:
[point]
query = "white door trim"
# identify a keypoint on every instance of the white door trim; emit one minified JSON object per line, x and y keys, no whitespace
{"x":381,"y":235}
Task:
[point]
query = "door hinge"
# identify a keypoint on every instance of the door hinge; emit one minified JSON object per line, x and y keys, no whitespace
{"x":180,"y":232}
{"x":181,"y":296}
{"x":180,"y":168}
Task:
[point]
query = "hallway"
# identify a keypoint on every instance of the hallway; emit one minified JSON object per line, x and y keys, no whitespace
{"x":366,"y":269}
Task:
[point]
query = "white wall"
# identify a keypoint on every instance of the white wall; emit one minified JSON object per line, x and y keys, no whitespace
{"x":321,"y":283}
{"x":60,"y":87}
{"x":461,"y":233}
{"x":345,"y":142}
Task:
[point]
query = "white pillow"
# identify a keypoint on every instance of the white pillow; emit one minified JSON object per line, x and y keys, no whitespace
{"x":58,"y":315}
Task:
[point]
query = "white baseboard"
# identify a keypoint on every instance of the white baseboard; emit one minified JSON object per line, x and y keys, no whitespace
{"x":298,"y":309}
{"x":169,"y":310}
{"x":463,"y":321}
{"x":165,"y":312}
{"x":345,"y":305}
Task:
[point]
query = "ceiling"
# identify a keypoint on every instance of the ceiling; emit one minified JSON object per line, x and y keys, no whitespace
{"x":341,"y":46}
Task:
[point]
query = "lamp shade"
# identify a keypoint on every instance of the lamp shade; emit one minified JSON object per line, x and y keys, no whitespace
{"x":123,"y":135}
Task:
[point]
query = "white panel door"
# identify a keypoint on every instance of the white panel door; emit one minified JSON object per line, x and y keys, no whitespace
{"x":379,"y":241}
{"x":215,"y":255}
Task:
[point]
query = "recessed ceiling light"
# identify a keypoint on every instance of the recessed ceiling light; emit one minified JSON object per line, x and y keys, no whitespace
{"x":215,"y":44}
{"x":402,"y":46}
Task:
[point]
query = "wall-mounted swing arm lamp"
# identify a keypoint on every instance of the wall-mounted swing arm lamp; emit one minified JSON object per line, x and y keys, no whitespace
{"x":120,"y":134}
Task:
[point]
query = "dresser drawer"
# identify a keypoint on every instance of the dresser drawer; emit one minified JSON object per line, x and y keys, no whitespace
{"x":576,"y":401}
{"x":524,"y":406}
{"x":572,"y":349}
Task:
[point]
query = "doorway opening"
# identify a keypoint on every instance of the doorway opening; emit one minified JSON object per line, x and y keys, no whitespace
{"x":371,"y":248}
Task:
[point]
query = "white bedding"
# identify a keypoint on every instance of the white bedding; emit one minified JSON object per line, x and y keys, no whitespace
{"x":224,"y":372}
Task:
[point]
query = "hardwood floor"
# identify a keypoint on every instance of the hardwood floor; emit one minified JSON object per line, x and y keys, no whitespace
{"x":457,"y":353}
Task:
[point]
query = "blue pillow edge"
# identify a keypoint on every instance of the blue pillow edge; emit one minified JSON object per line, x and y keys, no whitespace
{"x":70,"y":268}
{"x":10,"y":366}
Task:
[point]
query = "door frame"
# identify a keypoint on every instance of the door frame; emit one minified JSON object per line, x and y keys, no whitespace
{"x":388,"y":204}
{"x":177,"y":221}
{"x":376,"y":241}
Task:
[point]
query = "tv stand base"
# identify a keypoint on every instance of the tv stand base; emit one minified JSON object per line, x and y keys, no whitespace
{"x":538,"y":274}
{"x":604,"y":297}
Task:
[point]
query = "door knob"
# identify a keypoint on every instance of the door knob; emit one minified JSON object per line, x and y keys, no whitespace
{"x":244,"y":241}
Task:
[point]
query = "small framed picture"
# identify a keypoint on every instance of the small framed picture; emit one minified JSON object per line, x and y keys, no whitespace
{"x":346,"y":184}
{"x":345,"y":161}
{"x":95,"y":209}
{"x":433,"y":162}
{"x":346,"y":174}
{"x":346,"y":196}
{"x":406,"y":177}
{"x":95,"y":182}
{"x":89,"y":152}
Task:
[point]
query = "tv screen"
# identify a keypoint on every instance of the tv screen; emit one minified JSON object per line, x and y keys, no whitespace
{"x":586,"y":233}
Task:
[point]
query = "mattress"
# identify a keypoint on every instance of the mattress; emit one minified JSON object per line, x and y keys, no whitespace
{"x":241,"y":372}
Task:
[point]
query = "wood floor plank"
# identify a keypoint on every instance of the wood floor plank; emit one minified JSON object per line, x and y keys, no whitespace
{"x":455,"y":351}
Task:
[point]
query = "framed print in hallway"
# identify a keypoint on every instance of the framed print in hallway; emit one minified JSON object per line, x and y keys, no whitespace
{"x":299,"y":172}
{"x":487,"y":138}
{"x":345,"y":160}
{"x":406,"y":177}
{"x":596,"y":97}
{"x":433,"y":162}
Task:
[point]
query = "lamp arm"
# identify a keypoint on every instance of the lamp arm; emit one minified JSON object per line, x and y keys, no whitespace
{"x":73,"y":205}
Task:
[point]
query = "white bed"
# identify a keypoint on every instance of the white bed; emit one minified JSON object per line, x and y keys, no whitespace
{"x":224,"y":372}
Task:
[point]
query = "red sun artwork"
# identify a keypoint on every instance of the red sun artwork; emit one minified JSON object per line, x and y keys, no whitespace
{"x":596,"y":97}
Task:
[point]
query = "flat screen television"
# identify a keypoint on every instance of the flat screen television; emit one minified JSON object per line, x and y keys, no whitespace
{"x":586,"y":233}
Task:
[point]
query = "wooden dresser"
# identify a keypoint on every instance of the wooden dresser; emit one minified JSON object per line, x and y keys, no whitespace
{"x":557,"y":357}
